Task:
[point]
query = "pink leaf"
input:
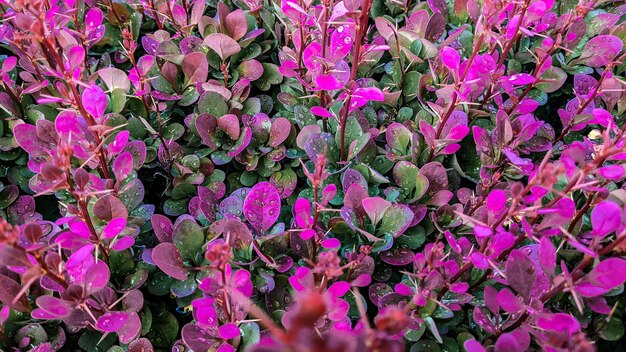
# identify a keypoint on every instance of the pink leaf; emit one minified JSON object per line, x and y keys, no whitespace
{"x":222,"y":44}
{"x":307,"y":234}
{"x":612,"y":172}
{"x":123,"y":243}
{"x":162,"y":227}
{"x":93,"y":18}
{"x":9,"y":63}
{"x":507,"y":343}
{"x":79,"y":262}
{"x":370,"y":93}
{"x":521,"y":79}
{"x":97,"y":277}
{"x":119,"y":143}
{"x":236,"y":24}
{"x":558,"y":322}
{"x":479,"y":260}
{"x":375,"y":208}
{"x":112,"y":321}
{"x":229,"y":331}
{"x":195,"y":67}
{"x":320,"y":111}
{"x":607,"y":275}
{"x":114,"y":227}
{"x":473,"y":346}
{"x":229,"y":123}
{"x":496,"y":201}
{"x":280,"y":130}
{"x":339,"y":288}
{"x":327,"y":82}
{"x":54,"y":306}
{"x":605,"y":218}
{"x":114,"y":78}
{"x":450,"y":58}
{"x":482,"y":231}
{"x":331,"y":243}
{"x":508,"y":301}
{"x":95,"y":101}
{"x":123,"y":166}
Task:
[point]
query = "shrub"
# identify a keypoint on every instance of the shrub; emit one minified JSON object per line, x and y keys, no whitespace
{"x":312,"y":175}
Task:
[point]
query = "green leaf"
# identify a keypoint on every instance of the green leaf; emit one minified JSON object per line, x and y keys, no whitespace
{"x":188,"y":238}
{"x":212,"y":103}
{"x":613,"y":330}
{"x":395,"y":220}
{"x":164,"y":329}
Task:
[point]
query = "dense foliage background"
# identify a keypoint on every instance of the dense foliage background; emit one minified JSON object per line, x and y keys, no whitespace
{"x":299,"y":175}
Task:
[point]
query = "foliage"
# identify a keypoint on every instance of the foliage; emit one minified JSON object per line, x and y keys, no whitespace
{"x":304,"y":175}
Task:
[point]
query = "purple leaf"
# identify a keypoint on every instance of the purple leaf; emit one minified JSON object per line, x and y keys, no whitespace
{"x":397,"y":257}
{"x":141,"y":345}
{"x":167,"y":257}
{"x":131,"y":328}
{"x":162,"y":227}
{"x":520,"y":272}
{"x":600,"y":50}
{"x":547,"y":255}
{"x":242,"y":142}
{"x":9,"y":290}
{"x":195,"y":67}
{"x":97,"y":277}
{"x":138,"y":150}
{"x":196,"y":338}
{"x":109,"y":207}
{"x":262,"y":206}
{"x":281,"y":127}
{"x":54,"y":306}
